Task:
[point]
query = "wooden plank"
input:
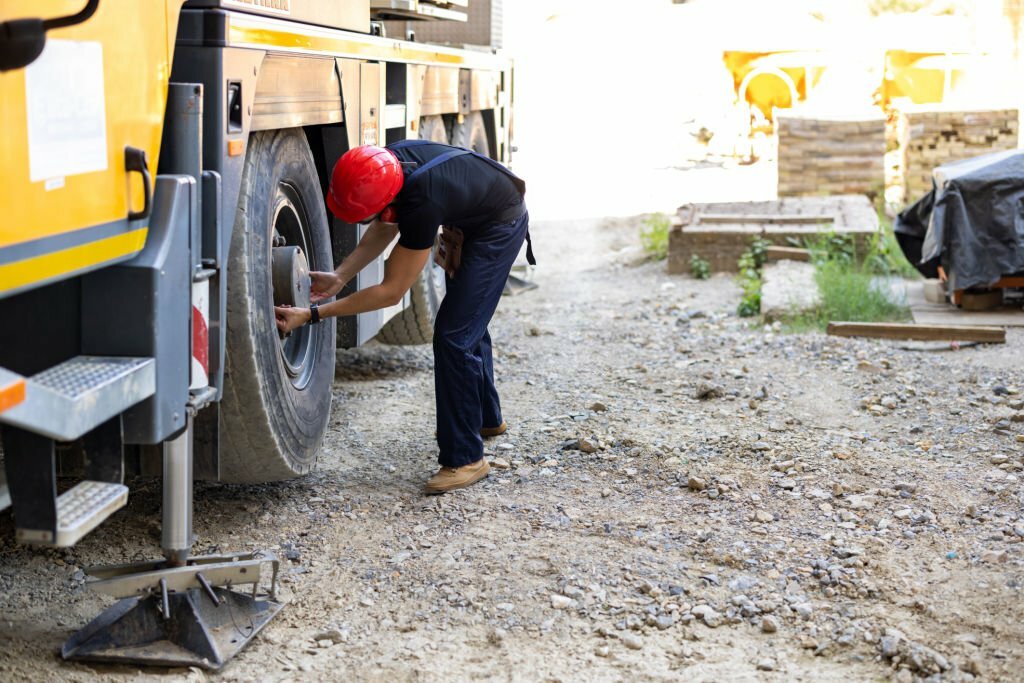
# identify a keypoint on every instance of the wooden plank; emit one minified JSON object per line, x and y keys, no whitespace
{"x":763,"y":218}
{"x":989,"y":335}
{"x":787,"y":254}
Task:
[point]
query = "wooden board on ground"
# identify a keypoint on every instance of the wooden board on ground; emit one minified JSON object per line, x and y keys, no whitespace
{"x":989,"y":335}
{"x":774,"y":253}
{"x":926,"y":313}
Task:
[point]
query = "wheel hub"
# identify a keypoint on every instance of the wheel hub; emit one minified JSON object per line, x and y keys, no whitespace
{"x":290,"y":277}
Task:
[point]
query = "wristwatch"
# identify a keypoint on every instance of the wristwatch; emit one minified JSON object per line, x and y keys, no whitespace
{"x":314,"y":314}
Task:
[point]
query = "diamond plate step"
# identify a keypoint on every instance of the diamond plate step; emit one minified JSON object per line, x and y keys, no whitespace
{"x":79,"y":510}
{"x":68,"y":400}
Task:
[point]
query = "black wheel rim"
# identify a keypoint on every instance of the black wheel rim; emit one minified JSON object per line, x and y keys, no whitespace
{"x":291,"y":222}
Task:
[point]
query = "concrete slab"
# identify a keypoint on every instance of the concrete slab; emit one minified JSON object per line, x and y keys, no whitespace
{"x":787,"y":288}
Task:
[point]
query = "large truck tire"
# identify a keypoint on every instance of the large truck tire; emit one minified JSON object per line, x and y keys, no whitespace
{"x":415,"y":324}
{"x":471,"y":133}
{"x":277,"y":393}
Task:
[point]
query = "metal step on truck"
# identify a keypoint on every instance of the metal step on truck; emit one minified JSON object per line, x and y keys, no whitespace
{"x":165,"y":165}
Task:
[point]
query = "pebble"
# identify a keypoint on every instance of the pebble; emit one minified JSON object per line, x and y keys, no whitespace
{"x":332,"y":635}
{"x":998,"y":459}
{"x":603,"y":651}
{"x":597,"y":407}
{"x":766,"y":664}
{"x":500,"y":464}
{"x":633,"y":642}
{"x":606,"y":492}
{"x":561,"y":601}
{"x":696,"y":484}
{"x":708,"y":390}
{"x":708,"y":615}
{"x":587,"y":446}
{"x":994,"y":556}
{"x":788,"y":484}
{"x":763,"y":516}
{"x":769,"y":624}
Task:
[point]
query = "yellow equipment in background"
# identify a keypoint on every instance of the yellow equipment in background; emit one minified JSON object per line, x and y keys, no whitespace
{"x":776,"y":79}
{"x":928,"y":77}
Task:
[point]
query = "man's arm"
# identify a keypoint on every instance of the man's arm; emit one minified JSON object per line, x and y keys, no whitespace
{"x":375,"y":240}
{"x":400,"y":272}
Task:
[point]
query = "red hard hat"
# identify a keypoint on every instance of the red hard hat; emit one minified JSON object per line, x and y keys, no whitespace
{"x":364,"y":181}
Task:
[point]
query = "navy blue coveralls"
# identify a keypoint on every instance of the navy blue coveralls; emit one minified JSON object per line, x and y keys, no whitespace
{"x":450,"y":186}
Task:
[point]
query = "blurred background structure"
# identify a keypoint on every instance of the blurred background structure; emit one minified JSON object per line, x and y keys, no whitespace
{"x":642,"y":106}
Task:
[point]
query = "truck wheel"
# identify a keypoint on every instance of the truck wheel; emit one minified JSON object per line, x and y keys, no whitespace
{"x":277,"y":393}
{"x":472,"y":134}
{"x":432,"y":128}
{"x":415,"y":325}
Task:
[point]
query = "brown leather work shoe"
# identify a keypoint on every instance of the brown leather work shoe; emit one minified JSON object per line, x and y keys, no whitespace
{"x":488,"y":432}
{"x":451,"y":478}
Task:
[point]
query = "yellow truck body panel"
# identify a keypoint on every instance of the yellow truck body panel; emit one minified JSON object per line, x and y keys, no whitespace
{"x":67,"y":118}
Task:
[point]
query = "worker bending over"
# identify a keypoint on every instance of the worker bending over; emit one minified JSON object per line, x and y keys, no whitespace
{"x":411,"y":188}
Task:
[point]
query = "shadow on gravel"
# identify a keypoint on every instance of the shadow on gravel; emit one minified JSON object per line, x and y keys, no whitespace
{"x":379,"y":361}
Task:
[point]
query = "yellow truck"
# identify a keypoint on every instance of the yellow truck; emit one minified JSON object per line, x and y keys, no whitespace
{"x":164,"y":166}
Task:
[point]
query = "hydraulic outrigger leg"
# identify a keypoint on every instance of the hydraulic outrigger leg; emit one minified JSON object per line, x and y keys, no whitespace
{"x":179,"y":611}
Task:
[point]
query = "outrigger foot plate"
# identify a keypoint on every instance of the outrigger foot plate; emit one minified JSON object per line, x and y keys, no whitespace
{"x":192,"y":624}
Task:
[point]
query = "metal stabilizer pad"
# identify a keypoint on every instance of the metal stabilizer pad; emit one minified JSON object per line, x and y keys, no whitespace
{"x":177,"y":616}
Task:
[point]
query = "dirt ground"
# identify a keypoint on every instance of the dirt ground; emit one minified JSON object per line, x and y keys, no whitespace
{"x":682,"y":495}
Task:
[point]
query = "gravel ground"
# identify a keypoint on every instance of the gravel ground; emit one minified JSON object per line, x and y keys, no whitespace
{"x":680,"y":494}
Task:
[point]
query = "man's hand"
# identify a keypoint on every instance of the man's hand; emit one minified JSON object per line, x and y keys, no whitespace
{"x":323,"y":285}
{"x":289,"y":318}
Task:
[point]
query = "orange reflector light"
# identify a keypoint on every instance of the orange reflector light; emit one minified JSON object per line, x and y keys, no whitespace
{"x":12,"y":394}
{"x":235,"y":148}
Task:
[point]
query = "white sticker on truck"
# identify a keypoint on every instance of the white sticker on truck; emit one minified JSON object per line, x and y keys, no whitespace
{"x":67,"y":120}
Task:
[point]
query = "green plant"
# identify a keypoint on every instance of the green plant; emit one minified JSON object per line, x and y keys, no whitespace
{"x":750,"y":303}
{"x":699,"y":268}
{"x":654,"y":236}
{"x":832,"y":247}
{"x":749,"y":278}
{"x":884,"y":254}
{"x":850,"y":293}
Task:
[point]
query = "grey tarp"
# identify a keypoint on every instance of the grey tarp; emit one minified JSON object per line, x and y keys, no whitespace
{"x":971,"y":223}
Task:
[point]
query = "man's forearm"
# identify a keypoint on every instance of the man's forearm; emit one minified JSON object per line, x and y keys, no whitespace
{"x":374,"y":242}
{"x":369,"y":299}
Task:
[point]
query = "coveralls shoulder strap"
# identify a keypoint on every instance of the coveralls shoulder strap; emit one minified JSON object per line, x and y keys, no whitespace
{"x":457,"y":152}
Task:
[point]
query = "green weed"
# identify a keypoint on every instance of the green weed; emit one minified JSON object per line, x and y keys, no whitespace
{"x":749,"y":278}
{"x":849,"y":293}
{"x":654,"y":236}
{"x":699,"y":268}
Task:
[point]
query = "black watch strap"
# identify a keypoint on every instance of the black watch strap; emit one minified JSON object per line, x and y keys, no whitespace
{"x":314,"y":314}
